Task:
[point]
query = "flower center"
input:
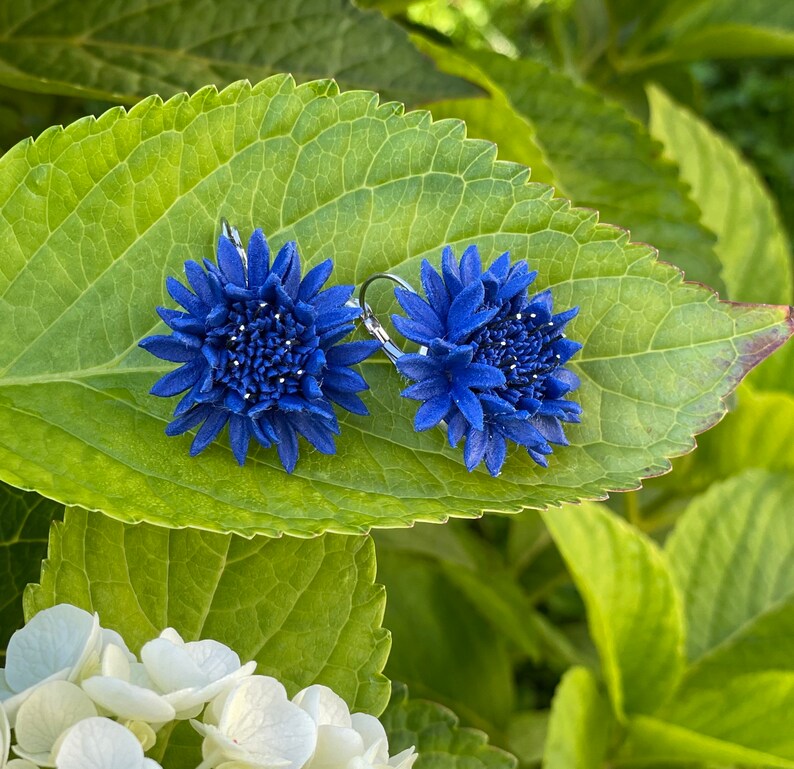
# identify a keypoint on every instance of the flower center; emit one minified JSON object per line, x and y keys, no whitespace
{"x":262,"y":351}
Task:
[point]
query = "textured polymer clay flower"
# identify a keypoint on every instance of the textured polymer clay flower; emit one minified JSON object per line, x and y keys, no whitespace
{"x":346,"y":741}
{"x":99,"y":743}
{"x":494,"y":369}
{"x":259,"y":728}
{"x":191,"y":674}
{"x":260,"y":351}
{"x":57,"y":644}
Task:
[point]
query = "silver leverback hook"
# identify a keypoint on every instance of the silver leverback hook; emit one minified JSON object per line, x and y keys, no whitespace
{"x":373,"y":325}
{"x":230,"y":233}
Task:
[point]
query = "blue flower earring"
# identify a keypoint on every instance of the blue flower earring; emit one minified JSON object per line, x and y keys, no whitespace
{"x":260,"y":350}
{"x":491,"y":362}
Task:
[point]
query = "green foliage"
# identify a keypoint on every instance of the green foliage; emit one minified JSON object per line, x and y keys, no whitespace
{"x":123,"y":53}
{"x":307,"y":610}
{"x":24,"y":523}
{"x":439,"y":740}
{"x":104,"y":446}
{"x":751,"y":242}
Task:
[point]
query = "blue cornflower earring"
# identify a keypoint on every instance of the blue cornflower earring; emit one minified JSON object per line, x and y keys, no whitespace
{"x":260,"y":350}
{"x":491,"y":362}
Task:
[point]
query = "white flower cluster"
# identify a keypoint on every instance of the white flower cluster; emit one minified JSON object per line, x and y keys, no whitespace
{"x":77,"y":698}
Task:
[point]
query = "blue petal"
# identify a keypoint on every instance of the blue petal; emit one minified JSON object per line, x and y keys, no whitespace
{"x":349,"y":401}
{"x":495,"y":454}
{"x":415,"y":366}
{"x":550,"y":428}
{"x":474,"y":450}
{"x":465,"y":304}
{"x":258,"y":259}
{"x":188,"y":421}
{"x":230,"y":262}
{"x":287,"y":442}
{"x":472,"y":324}
{"x":431,"y":412}
{"x":500,"y":266}
{"x":435,"y":290}
{"x":314,"y":431}
{"x":315,"y":280}
{"x":351,"y":353}
{"x":239,"y":437}
{"x":332,"y":298}
{"x":451,"y":272}
{"x":208,"y":432}
{"x":515,"y":285}
{"x":419,"y":310}
{"x":185,"y":297}
{"x":310,"y":387}
{"x":416,"y":332}
{"x":538,"y":457}
{"x":470,"y":265}
{"x":330,"y":338}
{"x":565,"y":349}
{"x":520,"y":431}
{"x":168,"y":348}
{"x":263,"y":431}
{"x":479,"y":375}
{"x":332,"y":318}
{"x":469,"y":405}
{"x":456,"y":427}
{"x":179,"y":379}
{"x":344,"y":379}
{"x":427,"y":388}
{"x":287,"y":266}
{"x":198,"y":282}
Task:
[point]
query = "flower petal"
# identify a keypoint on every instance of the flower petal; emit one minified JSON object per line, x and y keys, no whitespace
{"x":99,"y":743}
{"x":180,"y":379}
{"x":479,"y":375}
{"x":186,"y":298}
{"x":463,"y":307}
{"x":314,"y":280}
{"x":230,"y":262}
{"x":258,"y":259}
{"x":287,"y":445}
{"x":208,"y":432}
{"x":415,"y":366}
{"x":239,"y":437}
{"x":127,"y":700}
{"x":431,"y":412}
{"x":344,"y":379}
{"x":419,"y":310}
{"x":349,"y":401}
{"x":495,"y":454}
{"x":427,"y":388}
{"x":470,"y":265}
{"x":435,"y":290}
{"x":169,"y":348}
{"x":469,"y":405}
{"x":350,"y":353}
{"x":474,"y":450}
{"x":197,"y":278}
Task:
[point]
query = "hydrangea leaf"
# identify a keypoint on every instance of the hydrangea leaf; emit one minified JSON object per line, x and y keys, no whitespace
{"x":751,"y":242}
{"x":603,"y":158}
{"x":81,"y":276}
{"x":732,"y":556}
{"x":458,"y":644}
{"x":633,"y":609}
{"x":307,"y":610}
{"x":122,"y":53}
{"x":579,"y":725}
{"x":439,"y":740}
{"x":24,"y":522}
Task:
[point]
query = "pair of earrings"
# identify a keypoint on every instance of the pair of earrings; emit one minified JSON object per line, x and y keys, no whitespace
{"x":262,"y":350}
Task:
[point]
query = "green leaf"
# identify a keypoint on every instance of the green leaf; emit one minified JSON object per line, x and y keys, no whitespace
{"x":80,"y":278}
{"x":437,"y":736}
{"x":458,"y":646}
{"x":650,"y":740}
{"x":751,"y":242}
{"x":579,"y":725}
{"x":604,"y":158}
{"x":526,"y":735}
{"x":24,"y":522}
{"x":633,"y":609}
{"x":732,"y":556}
{"x":125,"y":52}
{"x":307,"y":610}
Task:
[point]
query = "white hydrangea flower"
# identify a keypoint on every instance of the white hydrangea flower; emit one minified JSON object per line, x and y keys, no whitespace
{"x":5,"y":736}
{"x":51,"y":710}
{"x":346,"y":741}
{"x":124,"y":689}
{"x":259,"y":728}
{"x":191,"y":674}
{"x":20,"y":763}
{"x":99,"y":743}
{"x":56,"y":645}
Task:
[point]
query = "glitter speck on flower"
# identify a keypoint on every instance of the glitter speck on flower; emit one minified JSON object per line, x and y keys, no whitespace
{"x":260,"y":351}
{"x":494,"y":369}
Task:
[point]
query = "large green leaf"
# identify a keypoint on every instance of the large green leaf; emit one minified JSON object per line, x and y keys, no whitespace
{"x":307,"y":610}
{"x":444,"y":649}
{"x":633,"y":609}
{"x":124,"y":52}
{"x":435,"y":733}
{"x":579,"y":727}
{"x":604,"y":158}
{"x":24,"y":522}
{"x":732,"y":555}
{"x":94,"y":216}
{"x":751,"y":242}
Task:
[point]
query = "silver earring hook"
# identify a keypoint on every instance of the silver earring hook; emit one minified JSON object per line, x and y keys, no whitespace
{"x":230,"y":233}
{"x":373,"y":325}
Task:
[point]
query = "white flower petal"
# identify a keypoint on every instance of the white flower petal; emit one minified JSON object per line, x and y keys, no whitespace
{"x":127,"y":700}
{"x":21,"y":763}
{"x":47,"y":714}
{"x":170,"y":666}
{"x":143,"y":731}
{"x":374,"y":736}
{"x":260,"y":719}
{"x":5,"y":736}
{"x":12,"y":704}
{"x":214,"y":659}
{"x":336,"y":746}
{"x":404,"y":759}
{"x":173,"y":636}
{"x":56,"y":639}
{"x":112,"y":637}
{"x":185,"y":700}
{"x":115,"y":663}
{"x":38,"y":759}
{"x":99,"y":743}
{"x":324,"y":705}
